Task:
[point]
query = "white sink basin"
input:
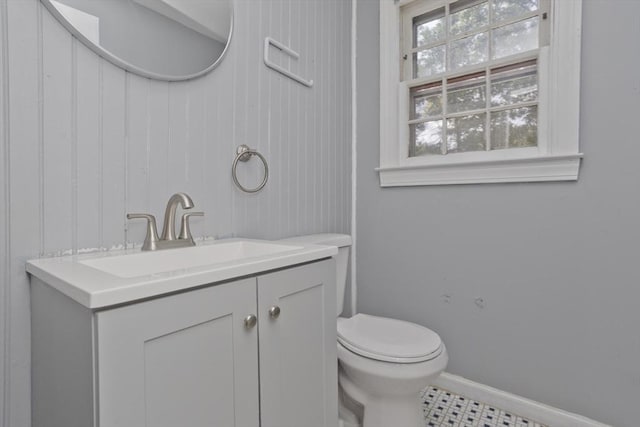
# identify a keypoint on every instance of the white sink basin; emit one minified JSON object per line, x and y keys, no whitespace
{"x":147,"y":263}
{"x":104,"y":279}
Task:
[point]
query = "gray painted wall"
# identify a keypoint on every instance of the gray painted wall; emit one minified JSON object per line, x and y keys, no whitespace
{"x":554,"y":264}
{"x":82,"y":143}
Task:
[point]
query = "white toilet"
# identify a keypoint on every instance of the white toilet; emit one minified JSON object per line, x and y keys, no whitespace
{"x":384,"y":363}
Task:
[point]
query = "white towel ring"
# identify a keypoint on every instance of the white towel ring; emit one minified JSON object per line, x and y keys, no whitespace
{"x":243,"y":154}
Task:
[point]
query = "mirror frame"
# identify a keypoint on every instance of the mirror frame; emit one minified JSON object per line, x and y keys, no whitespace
{"x":105,"y":54}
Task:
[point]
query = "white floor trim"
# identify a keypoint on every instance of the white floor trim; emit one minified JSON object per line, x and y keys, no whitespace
{"x":542,"y":413}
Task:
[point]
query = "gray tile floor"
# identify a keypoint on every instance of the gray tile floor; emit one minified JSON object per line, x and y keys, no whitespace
{"x":443,"y":408}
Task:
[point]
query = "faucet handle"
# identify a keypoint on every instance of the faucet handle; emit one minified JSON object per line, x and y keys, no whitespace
{"x":151,"y":239}
{"x":185,"y":231}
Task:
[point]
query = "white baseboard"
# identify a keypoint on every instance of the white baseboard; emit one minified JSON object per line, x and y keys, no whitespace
{"x":553,"y":417}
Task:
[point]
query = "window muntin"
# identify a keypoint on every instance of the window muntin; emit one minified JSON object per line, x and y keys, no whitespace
{"x":454,"y":109}
{"x":488,"y":110}
{"x":464,"y":33}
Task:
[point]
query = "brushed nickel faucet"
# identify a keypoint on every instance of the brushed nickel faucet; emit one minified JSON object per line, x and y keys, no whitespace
{"x":169,"y":239}
{"x":168,"y":229}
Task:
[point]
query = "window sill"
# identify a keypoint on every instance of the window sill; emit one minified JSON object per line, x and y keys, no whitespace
{"x":532,"y":169}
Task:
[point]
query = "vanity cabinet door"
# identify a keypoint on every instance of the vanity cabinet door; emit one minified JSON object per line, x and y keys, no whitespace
{"x":182,"y":360}
{"x":298,"y":364}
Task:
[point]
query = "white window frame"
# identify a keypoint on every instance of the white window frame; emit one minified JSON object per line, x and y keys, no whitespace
{"x":557,"y":156}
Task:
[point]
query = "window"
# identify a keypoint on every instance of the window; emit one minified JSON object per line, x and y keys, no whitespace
{"x":479,"y":91}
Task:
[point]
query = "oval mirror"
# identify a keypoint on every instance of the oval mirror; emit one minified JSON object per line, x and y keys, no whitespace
{"x":161,"y":39}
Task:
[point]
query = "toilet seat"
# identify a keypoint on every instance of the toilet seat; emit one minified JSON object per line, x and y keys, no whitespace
{"x":388,"y":340}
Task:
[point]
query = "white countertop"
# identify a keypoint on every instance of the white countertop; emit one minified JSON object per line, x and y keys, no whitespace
{"x":81,"y":278}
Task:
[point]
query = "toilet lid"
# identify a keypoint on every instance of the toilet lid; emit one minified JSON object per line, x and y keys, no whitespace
{"x":388,"y":340}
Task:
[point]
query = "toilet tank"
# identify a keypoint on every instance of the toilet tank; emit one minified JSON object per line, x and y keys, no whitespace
{"x":343,"y":242}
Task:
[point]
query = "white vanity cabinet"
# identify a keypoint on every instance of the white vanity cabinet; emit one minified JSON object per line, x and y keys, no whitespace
{"x":180,"y":360}
{"x":191,"y":359}
{"x":298,"y":360}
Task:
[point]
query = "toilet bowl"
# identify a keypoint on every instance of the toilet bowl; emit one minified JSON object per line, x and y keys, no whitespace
{"x":383,"y":363}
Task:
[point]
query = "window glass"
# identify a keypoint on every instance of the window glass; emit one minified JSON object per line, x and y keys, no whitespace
{"x":466,"y":133}
{"x":429,"y":28}
{"x":426,"y":101}
{"x":515,"y":38}
{"x":466,"y":93}
{"x":429,"y":62}
{"x":514,"y":84}
{"x":469,"y":51}
{"x":466,"y":18}
{"x":503,"y":10}
{"x":426,"y":138}
{"x":465,"y":41}
{"x":515,"y":128}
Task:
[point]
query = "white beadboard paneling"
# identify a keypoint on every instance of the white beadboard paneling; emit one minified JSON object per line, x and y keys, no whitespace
{"x":137,"y":150}
{"x":343,"y":89}
{"x":113,"y":155}
{"x":211,"y":186}
{"x":286,"y":125}
{"x":293,"y":165}
{"x":256,"y":211}
{"x":252,"y":116}
{"x":309,"y":131}
{"x":320,"y":116}
{"x":220,"y":145}
{"x":84,"y":142}
{"x":24,"y":66}
{"x":331,"y":137}
{"x":179,"y":103}
{"x":138,"y":145}
{"x":276,"y":122}
{"x":264,"y":121}
{"x":58,"y":67}
{"x":196,"y":142}
{"x":4,"y":209}
{"x":88,"y":149}
{"x":303,"y":101}
{"x":250,"y":133}
{"x":157,"y":142}
{"x":239,"y":121}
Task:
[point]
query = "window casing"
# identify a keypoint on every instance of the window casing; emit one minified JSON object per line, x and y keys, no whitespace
{"x":470,"y":100}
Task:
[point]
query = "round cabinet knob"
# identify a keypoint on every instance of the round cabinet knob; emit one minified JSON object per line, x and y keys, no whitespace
{"x":274,"y":312}
{"x":250,"y":321}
